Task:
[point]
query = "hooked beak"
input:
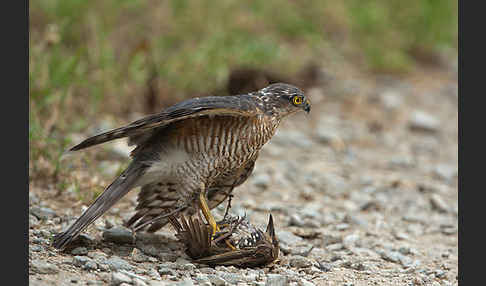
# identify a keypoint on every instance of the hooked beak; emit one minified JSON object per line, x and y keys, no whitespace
{"x":307,"y":106}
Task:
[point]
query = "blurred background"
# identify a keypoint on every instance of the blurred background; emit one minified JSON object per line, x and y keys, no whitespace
{"x":94,"y":58}
{"x":377,"y":153}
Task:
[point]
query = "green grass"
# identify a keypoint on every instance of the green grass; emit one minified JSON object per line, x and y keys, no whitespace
{"x":92,"y":58}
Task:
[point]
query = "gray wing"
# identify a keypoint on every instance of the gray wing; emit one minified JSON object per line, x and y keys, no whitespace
{"x":140,"y":130}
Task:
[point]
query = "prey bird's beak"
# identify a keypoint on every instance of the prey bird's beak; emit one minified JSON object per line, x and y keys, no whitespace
{"x":271,"y":230}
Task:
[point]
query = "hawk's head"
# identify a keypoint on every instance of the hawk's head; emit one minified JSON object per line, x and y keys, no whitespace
{"x":282,"y":99}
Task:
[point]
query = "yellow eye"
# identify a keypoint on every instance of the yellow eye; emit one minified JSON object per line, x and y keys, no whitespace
{"x":298,"y":100}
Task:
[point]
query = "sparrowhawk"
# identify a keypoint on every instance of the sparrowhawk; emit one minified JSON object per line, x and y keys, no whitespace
{"x":190,"y":156}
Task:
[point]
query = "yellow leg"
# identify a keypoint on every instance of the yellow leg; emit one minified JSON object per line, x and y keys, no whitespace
{"x":210,"y":219}
{"x":207,"y":213}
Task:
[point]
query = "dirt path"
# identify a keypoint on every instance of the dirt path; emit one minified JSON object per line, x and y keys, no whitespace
{"x":363,"y":192}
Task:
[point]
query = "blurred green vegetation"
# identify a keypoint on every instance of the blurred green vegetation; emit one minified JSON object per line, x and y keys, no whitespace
{"x":88,"y":57}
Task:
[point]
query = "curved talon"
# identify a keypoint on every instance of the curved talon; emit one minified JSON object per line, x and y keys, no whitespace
{"x":210,"y":219}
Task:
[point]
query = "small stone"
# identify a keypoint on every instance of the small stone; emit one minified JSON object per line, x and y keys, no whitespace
{"x":391,"y":99}
{"x":79,"y":251}
{"x":36,"y":248}
{"x":116,"y":263}
{"x":287,"y":237}
{"x":445,"y":172}
{"x":335,"y":247}
{"x":33,"y":221}
{"x":43,"y":267}
{"x":118,"y":235}
{"x":438,"y":203}
{"x":33,"y":199}
{"x":166,"y":271}
{"x":139,"y":256}
{"x":202,"y":278}
{"x":303,"y":282}
{"x":90,"y":265}
{"x":350,"y":240}
{"x":421,"y":121}
{"x":80,"y":260}
{"x":118,"y":278}
{"x":396,"y":257}
{"x":325,"y":267}
{"x":342,"y":226}
{"x":186,"y":282}
{"x":276,"y":280}
{"x":42,"y":213}
{"x":216,"y":280}
{"x":231,"y":278}
{"x":300,"y":262}
{"x":138,"y":282}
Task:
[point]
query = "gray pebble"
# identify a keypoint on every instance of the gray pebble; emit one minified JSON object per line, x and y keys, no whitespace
{"x":232,"y":278}
{"x":302,"y":250}
{"x":116,"y":263}
{"x":79,"y":251}
{"x":42,"y":213}
{"x":201,"y":278}
{"x":166,"y":271}
{"x":118,"y":235}
{"x":445,"y":172}
{"x":438,"y":203}
{"x":90,"y":265}
{"x":299,"y":262}
{"x":33,"y":199}
{"x":36,"y":248}
{"x":303,"y":282}
{"x":80,"y":260}
{"x":43,"y":267}
{"x":216,"y":280}
{"x":396,"y":257}
{"x":276,"y":280}
{"x":138,"y":282}
{"x":391,"y":99}
{"x":342,"y":226}
{"x":186,"y":282}
{"x":33,"y":220}
{"x":287,"y":237}
{"x":350,"y":240}
{"x":94,"y":282}
{"x":139,"y":256}
{"x":335,"y":247}
{"x":421,"y":121}
{"x":118,"y":278}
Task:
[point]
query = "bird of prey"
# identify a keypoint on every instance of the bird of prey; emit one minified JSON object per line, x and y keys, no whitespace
{"x":252,"y":246}
{"x":190,"y":156}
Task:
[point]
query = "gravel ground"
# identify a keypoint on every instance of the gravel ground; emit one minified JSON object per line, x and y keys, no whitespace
{"x":363,"y":192}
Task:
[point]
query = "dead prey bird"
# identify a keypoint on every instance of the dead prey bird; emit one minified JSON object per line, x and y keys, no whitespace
{"x":190,"y":156}
{"x":238,"y":242}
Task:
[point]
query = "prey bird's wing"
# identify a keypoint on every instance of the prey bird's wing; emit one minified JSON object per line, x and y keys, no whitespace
{"x":204,"y":106}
